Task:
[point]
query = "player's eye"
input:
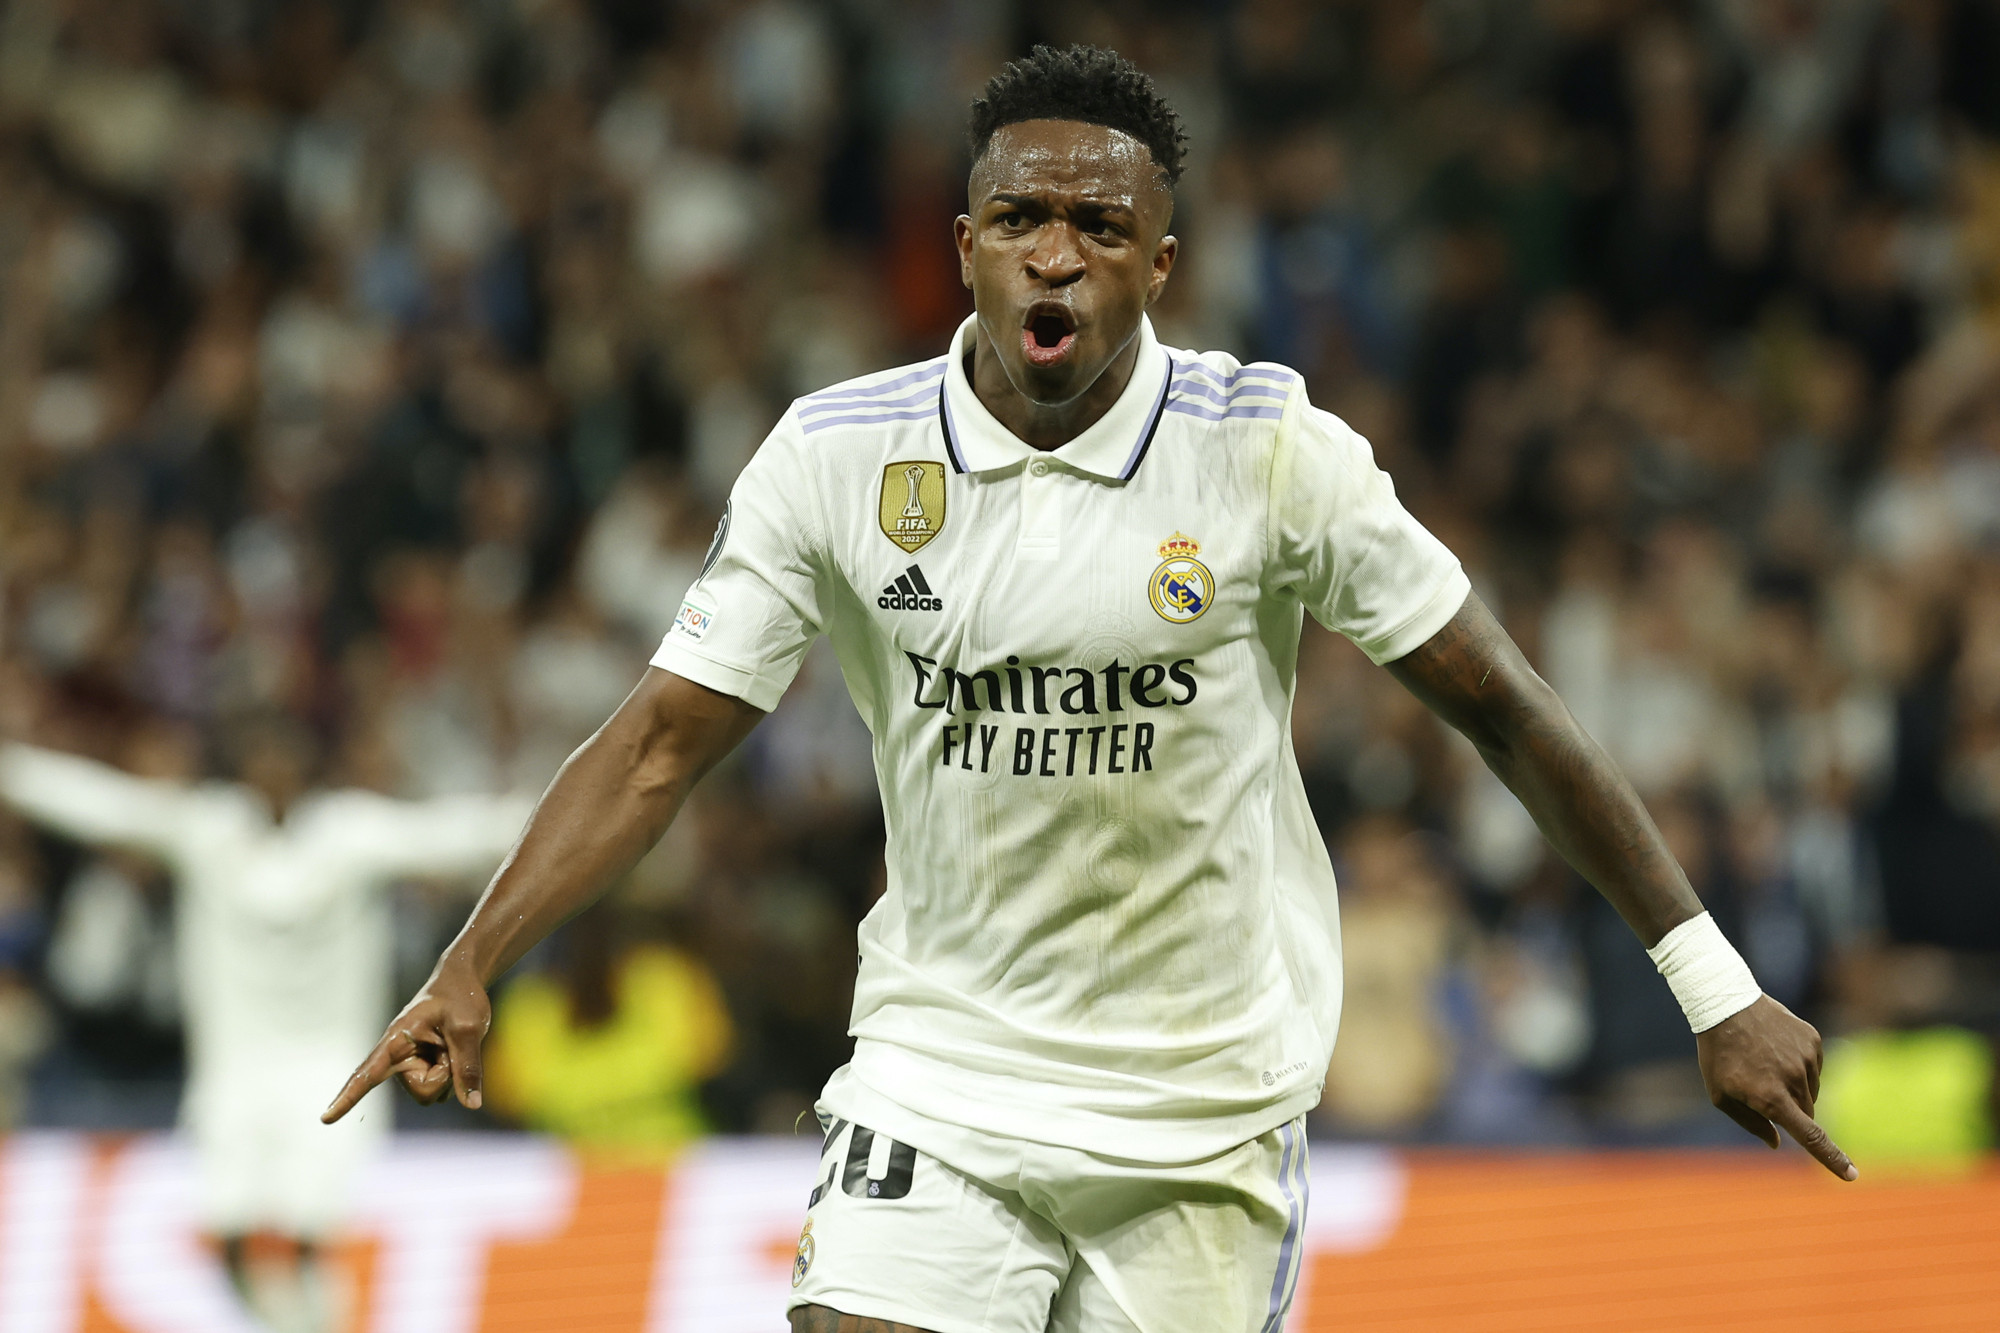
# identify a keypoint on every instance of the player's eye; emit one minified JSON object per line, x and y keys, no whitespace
{"x":1012,"y":218}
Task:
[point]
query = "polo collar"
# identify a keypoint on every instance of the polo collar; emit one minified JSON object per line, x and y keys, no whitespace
{"x":1112,"y":448}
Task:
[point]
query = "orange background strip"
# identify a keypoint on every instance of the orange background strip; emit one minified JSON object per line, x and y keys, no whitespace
{"x":1667,"y":1241}
{"x":1481,"y":1244}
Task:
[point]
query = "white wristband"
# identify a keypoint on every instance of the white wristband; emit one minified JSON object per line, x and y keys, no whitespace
{"x":1708,"y":976}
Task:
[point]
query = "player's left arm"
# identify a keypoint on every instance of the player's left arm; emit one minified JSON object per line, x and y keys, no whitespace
{"x":1761,"y":1065}
{"x":446,"y":837}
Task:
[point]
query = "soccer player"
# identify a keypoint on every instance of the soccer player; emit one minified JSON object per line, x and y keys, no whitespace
{"x":1064,"y":568}
{"x":283,"y":935}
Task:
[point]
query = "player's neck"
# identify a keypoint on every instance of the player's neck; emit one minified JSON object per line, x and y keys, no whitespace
{"x":278,"y":803}
{"x":1047,"y":426}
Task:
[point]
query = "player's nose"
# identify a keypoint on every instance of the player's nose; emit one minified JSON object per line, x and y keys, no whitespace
{"x":1058,"y":260}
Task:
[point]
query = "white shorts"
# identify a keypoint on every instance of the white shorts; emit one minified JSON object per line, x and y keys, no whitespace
{"x":1019,"y":1237}
{"x":267,"y":1163}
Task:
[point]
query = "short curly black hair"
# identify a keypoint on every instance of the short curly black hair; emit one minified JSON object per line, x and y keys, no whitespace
{"x":1085,"y":83}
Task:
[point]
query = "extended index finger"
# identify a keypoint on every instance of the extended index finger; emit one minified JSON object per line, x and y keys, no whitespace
{"x":1792,"y":1118}
{"x":394,"y":1048}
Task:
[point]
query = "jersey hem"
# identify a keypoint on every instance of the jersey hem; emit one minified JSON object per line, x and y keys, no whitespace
{"x":895,"y":1312}
{"x":1142,"y":1140}
{"x":1433,"y":616}
{"x":753,"y":689}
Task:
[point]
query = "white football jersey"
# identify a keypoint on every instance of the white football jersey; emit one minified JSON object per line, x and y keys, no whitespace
{"x":1108,"y":921}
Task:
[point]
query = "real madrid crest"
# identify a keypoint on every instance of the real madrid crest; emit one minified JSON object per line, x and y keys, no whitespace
{"x":912,"y":503}
{"x":803,"y":1260}
{"x":1181,"y":588}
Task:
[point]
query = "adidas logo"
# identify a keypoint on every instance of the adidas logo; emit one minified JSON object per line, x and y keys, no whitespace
{"x":910,"y":593}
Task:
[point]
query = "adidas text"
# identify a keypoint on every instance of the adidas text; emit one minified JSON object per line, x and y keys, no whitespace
{"x":909,"y":592}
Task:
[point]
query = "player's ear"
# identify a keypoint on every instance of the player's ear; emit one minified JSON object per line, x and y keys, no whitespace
{"x":1164,"y":255}
{"x":962,"y":229}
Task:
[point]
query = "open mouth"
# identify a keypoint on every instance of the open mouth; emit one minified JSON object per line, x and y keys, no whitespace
{"x":1049,"y":334}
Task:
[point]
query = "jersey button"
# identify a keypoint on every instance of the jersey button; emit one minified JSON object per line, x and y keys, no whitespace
{"x":1040,"y":467}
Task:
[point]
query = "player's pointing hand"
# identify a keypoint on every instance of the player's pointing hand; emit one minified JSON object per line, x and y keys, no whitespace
{"x":433,"y":1046}
{"x":1761,"y":1067}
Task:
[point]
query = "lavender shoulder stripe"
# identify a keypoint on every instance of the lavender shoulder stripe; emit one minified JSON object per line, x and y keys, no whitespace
{"x":866,"y":419}
{"x":1214,"y":395}
{"x":930,"y":370}
{"x":1252,"y":373}
{"x":1206,"y":413}
{"x":810,"y":408}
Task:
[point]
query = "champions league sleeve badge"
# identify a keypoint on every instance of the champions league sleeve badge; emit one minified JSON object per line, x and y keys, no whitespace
{"x":1181,"y":588}
{"x":715,"y":543}
{"x":912,"y":503}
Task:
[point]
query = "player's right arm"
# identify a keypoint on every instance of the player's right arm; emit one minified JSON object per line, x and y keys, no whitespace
{"x":609,"y":804}
{"x":731,"y":654}
{"x":91,"y":802}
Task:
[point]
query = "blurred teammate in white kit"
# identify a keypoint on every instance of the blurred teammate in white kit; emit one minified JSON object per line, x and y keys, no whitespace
{"x":283,"y":933}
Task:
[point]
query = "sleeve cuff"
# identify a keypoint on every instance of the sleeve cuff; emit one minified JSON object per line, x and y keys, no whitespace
{"x":760,"y":692}
{"x":1432,"y":617}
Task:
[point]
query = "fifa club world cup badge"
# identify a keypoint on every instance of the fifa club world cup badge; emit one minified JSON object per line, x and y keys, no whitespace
{"x":803,"y":1260}
{"x":1181,"y":588}
{"x":912,"y":503}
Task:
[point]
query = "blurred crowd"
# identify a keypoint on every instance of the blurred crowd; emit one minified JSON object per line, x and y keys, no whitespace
{"x":385,"y":367}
